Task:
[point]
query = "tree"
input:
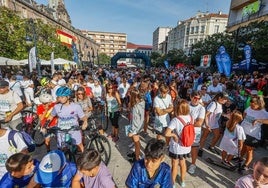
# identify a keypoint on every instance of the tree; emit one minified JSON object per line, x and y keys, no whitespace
{"x":176,"y":56}
{"x":210,"y":46}
{"x":13,"y":33}
{"x":104,"y":59}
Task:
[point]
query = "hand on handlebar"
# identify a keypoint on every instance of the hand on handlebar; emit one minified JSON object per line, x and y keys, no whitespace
{"x":84,"y":125}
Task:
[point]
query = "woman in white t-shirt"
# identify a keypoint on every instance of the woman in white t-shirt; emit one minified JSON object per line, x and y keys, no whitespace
{"x":252,"y":130}
{"x":177,"y":152}
{"x":232,"y":140}
{"x":213,"y":114}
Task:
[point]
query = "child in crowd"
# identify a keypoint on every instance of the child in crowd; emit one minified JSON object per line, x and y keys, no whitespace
{"x":151,"y":171}
{"x":232,"y":140}
{"x":21,"y":169}
{"x":55,"y":171}
{"x":92,"y":172}
{"x":137,"y":106}
{"x":259,"y":178}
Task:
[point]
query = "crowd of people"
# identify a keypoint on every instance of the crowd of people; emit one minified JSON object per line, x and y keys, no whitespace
{"x":233,"y":110}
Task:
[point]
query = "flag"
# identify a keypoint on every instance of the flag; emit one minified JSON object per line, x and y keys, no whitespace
{"x":247,"y":53}
{"x":66,"y":38}
{"x":75,"y":52}
{"x":166,"y":64}
{"x":223,"y":61}
{"x":32,"y":61}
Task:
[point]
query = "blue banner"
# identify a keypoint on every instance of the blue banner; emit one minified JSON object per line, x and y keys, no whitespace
{"x":223,"y":61}
{"x":75,"y":52}
{"x":166,"y":64}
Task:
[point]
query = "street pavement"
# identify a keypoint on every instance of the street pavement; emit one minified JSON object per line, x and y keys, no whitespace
{"x":206,"y":175}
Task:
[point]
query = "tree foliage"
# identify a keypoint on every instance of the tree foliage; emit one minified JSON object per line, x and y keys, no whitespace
{"x":13,"y":33}
{"x":104,"y":59}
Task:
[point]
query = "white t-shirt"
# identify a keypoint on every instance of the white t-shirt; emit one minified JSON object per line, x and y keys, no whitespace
{"x":123,"y":90}
{"x":8,"y":103}
{"x":216,"y":110}
{"x":176,"y":125}
{"x":252,"y":115}
{"x":247,"y":182}
{"x":16,"y":87}
{"x":215,"y":89}
{"x":197,"y":112}
{"x":6,"y":150}
{"x":25,"y":84}
{"x":163,"y":103}
{"x":97,"y":91}
{"x":206,"y":98}
{"x":229,"y":142}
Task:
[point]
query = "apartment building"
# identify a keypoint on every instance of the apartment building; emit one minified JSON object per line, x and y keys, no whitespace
{"x":243,"y":12}
{"x":110,"y":43}
{"x":194,"y":29}
{"x":159,"y":36}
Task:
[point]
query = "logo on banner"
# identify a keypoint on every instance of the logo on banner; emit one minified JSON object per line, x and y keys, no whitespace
{"x":205,"y":61}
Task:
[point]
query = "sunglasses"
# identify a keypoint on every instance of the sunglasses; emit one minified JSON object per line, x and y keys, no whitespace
{"x":197,"y":98}
{"x":80,"y":93}
{"x":204,"y":89}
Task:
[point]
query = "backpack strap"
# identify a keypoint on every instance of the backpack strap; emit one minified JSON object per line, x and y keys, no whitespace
{"x":183,"y":122}
{"x":11,"y":140}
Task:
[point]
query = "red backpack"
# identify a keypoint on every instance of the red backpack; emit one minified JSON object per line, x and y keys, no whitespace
{"x":187,"y":134}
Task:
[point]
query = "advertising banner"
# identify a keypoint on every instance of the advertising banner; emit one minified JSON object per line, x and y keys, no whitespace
{"x":32,"y":59}
{"x":205,"y":61}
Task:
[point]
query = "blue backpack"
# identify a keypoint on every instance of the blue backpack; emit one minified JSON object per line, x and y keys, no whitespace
{"x":26,"y":137}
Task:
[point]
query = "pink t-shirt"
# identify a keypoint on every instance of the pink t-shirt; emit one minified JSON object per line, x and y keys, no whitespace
{"x":247,"y":182}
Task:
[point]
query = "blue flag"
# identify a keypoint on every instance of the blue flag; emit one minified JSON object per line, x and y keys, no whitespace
{"x":166,"y":64}
{"x":223,"y":61}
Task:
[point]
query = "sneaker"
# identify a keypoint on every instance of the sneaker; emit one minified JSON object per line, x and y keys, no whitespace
{"x":183,"y":184}
{"x":131,"y":145}
{"x":191,"y":169}
{"x":200,"y":153}
{"x":131,"y":155}
{"x":244,"y":167}
{"x":213,"y":150}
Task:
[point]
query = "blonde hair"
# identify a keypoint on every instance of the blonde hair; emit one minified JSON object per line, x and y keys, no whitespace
{"x":182,"y":108}
{"x":135,"y":97}
{"x":236,"y":118}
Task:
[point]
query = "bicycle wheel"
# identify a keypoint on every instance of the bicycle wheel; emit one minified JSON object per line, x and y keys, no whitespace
{"x":102,"y":145}
{"x":70,"y":156}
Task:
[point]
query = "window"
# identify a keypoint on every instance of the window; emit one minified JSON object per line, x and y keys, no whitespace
{"x":203,"y":29}
{"x":187,"y":31}
{"x":196,"y":29}
{"x":216,"y":28}
{"x":192,"y":30}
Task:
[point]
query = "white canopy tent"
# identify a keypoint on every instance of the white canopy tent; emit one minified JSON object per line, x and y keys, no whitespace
{"x":58,"y":61}
{"x":8,"y":61}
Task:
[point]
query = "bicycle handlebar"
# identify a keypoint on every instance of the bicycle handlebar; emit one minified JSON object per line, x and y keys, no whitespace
{"x":73,"y":128}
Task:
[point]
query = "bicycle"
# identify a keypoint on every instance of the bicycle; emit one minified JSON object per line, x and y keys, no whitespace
{"x":94,"y":140}
{"x":67,"y":145}
{"x":100,"y":113}
{"x":31,"y":125}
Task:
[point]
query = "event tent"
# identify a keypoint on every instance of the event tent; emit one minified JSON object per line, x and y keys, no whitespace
{"x":8,"y":61}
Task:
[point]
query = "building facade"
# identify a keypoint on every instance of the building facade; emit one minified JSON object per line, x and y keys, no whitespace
{"x":243,"y":12}
{"x":54,"y":14}
{"x":136,"y":48}
{"x":110,"y":43}
{"x":159,"y":36}
{"x":195,"y":29}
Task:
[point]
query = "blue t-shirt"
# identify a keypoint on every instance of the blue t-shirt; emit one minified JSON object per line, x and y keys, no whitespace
{"x":148,"y":100}
{"x":64,"y":179}
{"x":138,"y":176}
{"x":9,"y":181}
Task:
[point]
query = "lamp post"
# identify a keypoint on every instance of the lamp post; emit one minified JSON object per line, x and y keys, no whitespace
{"x":29,"y":39}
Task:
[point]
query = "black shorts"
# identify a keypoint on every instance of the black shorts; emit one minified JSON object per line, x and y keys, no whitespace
{"x":252,"y":141}
{"x":114,"y":117}
{"x":162,"y":132}
{"x":177,"y":156}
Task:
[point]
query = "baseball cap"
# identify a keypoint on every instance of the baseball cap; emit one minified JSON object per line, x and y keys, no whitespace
{"x":50,"y":166}
{"x":3,"y":83}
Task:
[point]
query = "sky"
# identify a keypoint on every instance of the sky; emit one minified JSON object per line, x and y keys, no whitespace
{"x":137,"y":18}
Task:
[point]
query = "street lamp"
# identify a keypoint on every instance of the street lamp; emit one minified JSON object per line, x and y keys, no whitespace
{"x":29,"y":39}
